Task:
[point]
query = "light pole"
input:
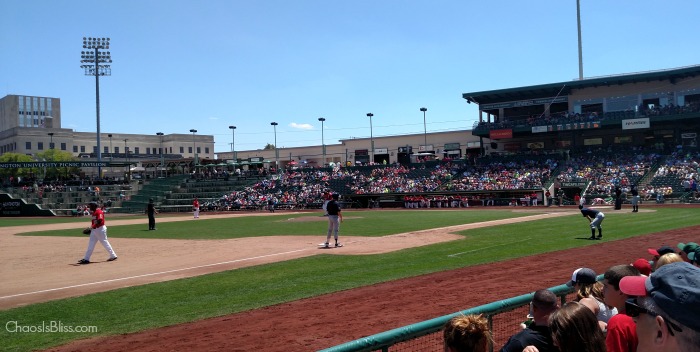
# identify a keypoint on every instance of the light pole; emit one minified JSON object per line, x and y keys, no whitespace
{"x":51,"y":143}
{"x":194,"y":146}
{"x":277,"y":155}
{"x":323,"y":143}
{"x":371,"y":138}
{"x":96,"y":63}
{"x":233,"y":143}
{"x":160,"y":134}
{"x":425,"y":131}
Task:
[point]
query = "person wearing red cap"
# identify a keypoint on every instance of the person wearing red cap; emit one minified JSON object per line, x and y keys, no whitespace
{"x":98,"y":233}
{"x":666,"y":307}
{"x":643,"y":266}
{"x":622,"y":334}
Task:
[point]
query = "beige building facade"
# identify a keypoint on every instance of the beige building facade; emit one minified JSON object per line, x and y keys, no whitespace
{"x":358,"y":151}
{"x":30,"y":125}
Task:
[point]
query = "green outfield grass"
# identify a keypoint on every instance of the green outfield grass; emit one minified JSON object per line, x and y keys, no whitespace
{"x":161,"y":304}
{"x":5,"y":222}
{"x":358,"y":223}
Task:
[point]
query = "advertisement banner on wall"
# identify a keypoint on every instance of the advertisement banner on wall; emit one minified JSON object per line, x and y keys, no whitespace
{"x":536,"y":145}
{"x":501,"y":134}
{"x":633,"y":124}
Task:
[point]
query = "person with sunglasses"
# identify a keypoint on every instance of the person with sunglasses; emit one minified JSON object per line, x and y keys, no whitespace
{"x":666,"y":307}
{"x":621,"y":334}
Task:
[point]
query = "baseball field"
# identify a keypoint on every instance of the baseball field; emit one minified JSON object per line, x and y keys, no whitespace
{"x":257,"y":281}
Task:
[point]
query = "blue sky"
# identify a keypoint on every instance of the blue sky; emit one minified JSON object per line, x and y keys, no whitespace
{"x":209,"y":64}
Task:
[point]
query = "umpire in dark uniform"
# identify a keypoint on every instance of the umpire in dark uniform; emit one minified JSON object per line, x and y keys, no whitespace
{"x":151,"y":211}
{"x":618,"y":198}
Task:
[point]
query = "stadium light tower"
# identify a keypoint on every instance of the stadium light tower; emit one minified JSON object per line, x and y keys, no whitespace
{"x":162,"y":163}
{"x":96,"y":63}
{"x":371,"y":138}
{"x":323,"y":142}
{"x":233,"y":143}
{"x":425,"y":131}
{"x":277,"y":154}
{"x":580,"y":47}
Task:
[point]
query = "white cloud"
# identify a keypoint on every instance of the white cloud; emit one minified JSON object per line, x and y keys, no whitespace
{"x":301,"y":126}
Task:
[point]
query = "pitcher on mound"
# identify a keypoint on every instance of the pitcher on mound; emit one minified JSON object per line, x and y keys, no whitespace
{"x":335,"y":217}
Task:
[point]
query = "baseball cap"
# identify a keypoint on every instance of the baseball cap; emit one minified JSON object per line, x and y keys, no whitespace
{"x":582,"y":276}
{"x":694,"y":256}
{"x":661,"y":251}
{"x":92,"y":203}
{"x":674,"y":287}
{"x":643,"y":266}
{"x":688,"y":247}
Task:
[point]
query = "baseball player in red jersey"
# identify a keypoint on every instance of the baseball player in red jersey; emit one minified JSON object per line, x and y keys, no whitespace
{"x":98,"y":233}
{"x":195,"y":206}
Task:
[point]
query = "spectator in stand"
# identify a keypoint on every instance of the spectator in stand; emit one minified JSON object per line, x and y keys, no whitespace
{"x":657,"y":253}
{"x":666,"y":308}
{"x":589,"y":292}
{"x":643,"y":266}
{"x":695,"y":257}
{"x":543,"y":303}
{"x":575,"y":329}
{"x":687,"y":248}
{"x":621,"y":335}
{"x":667,"y":258}
{"x":467,"y":333}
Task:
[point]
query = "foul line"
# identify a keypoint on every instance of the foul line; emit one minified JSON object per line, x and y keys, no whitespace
{"x":152,"y":274}
{"x":481,"y":249}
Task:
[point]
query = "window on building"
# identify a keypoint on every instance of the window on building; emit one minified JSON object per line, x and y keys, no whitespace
{"x":82,"y":149}
{"x":136,"y":150}
{"x":63,"y":146}
{"x":148,"y":150}
{"x":182,"y":150}
{"x":206,"y":150}
{"x":199,"y":150}
{"x":189,"y":150}
{"x":28,"y":146}
{"x":40,"y":145}
{"x":116,"y":150}
{"x":106,"y":150}
{"x":75,"y":149}
{"x":94,"y":149}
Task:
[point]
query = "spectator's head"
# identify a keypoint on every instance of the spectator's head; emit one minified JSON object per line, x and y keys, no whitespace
{"x":643,"y":266}
{"x":667,"y":258}
{"x":666,"y":308}
{"x":687,"y":248}
{"x":695,"y":257}
{"x":582,"y":276}
{"x":661,"y":251}
{"x":611,"y":285}
{"x":544,"y":302}
{"x":574,"y":328}
{"x":467,"y":333}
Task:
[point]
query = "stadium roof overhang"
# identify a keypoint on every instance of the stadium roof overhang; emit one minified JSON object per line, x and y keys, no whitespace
{"x":564,"y":88}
